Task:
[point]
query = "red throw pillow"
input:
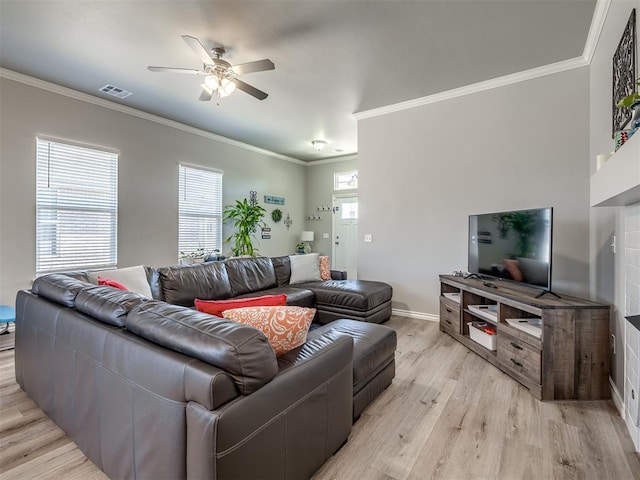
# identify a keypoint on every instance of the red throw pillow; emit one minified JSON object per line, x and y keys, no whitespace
{"x":216,"y":307}
{"x":111,"y":283}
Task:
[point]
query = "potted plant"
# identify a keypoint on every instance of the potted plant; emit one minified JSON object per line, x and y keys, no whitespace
{"x":632,"y":101}
{"x":246,"y":217}
{"x":197,"y":256}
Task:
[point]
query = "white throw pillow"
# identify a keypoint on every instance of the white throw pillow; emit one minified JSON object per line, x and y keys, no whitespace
{"x":305,"y":268}
{"x":133,"y":278}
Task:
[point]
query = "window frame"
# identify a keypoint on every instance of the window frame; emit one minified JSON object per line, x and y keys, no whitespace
{"x":77,"y":188}
{"x":186,"y":212}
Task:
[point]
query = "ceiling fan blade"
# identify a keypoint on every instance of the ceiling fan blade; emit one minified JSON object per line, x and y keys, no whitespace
{"x":250,"y":67}
{"x":253,"y":91}
{"x":206,"y":94}
{"x":197,"y":47}
{"x":175,"y":70}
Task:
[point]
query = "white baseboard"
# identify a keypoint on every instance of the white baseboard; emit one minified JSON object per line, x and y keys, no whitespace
{"x":617,"y":399}
{"x":417,"y":315}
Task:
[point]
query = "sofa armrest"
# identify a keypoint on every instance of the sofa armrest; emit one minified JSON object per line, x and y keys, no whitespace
{"x":338,"y":274}
{"x":296,"y":421}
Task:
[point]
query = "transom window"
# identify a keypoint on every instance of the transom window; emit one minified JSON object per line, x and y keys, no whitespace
{"x":76,"y":207}
{"x":345,"y":180}
{"x":199,"y":210}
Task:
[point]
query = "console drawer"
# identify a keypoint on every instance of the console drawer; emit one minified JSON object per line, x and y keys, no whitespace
{"x":449,"y":315}
{"x":519,"y":357}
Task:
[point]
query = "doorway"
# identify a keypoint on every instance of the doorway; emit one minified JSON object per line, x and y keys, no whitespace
{"x":345,"y":234}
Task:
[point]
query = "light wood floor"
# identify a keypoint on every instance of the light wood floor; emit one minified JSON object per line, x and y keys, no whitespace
{"x":447,"y":415}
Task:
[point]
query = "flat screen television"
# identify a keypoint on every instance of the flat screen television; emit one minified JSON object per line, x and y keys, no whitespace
{"x":513,"y":245}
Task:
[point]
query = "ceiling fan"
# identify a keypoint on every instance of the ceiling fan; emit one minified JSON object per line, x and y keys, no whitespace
{"x":220,"y":77}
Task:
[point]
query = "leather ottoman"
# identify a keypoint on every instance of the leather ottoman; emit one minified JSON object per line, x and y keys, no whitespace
{"x":374,"y":365}
{"x":366,"y":301}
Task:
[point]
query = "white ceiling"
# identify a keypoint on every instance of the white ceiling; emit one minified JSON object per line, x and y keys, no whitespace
{"x":333,"y":57}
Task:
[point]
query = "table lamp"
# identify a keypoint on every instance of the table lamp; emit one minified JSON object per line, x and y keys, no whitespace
{"x":306,"y":237}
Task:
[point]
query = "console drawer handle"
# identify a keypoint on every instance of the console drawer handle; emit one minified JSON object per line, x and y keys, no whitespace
{"x":448,"y":321}
{"x":516,"y":346}
{"x":448,"y":310}
{"x":516,"y":363}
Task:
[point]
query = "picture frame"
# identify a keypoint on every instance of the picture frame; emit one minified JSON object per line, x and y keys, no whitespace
{"x":624,"y":74}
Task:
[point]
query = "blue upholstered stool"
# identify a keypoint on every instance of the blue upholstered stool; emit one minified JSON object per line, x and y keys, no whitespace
{"x":7,"y":316}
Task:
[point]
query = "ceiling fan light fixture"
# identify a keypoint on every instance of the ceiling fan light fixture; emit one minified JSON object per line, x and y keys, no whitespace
{"x":211,"y":81}
{"x":318,"y":144}
{"x":227,"y":87}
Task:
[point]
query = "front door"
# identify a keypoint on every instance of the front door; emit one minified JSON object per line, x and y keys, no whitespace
{"x":345,"y":234}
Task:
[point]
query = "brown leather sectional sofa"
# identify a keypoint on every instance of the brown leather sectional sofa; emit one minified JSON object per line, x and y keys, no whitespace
{"x":150,"y":388}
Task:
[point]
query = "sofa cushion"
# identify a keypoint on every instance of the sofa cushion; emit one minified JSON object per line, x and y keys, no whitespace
{"x":216,"y":307}
{"x":285,"y":327}
{"x":250,"y":275}
{"x":182,"y":284}
{"x":325,"y":268}
{"x":282,"y":267}
{"x":107,"y":304}
{"x":133,"y":278}
{"x":242,"y":351}
{"x":304,"y":268}
{"x":59,"y":288}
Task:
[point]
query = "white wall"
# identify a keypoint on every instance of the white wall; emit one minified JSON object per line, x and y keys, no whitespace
{"x":425,"y":169}
{"x":148,"y":172}
{"x":607,"y":279}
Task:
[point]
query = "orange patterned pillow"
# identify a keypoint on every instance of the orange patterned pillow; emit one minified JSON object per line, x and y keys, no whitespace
{"x":285,"y":327}
{"x":325,"y":270}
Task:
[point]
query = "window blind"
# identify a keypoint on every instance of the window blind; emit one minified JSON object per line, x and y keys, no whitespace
{"x":199,"y":210}
{"x":76,"y":207}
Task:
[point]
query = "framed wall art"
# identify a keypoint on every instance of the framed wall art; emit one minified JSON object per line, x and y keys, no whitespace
{"x":624,"y":74}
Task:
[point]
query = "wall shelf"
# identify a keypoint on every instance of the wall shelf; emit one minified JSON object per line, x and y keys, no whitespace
{"x":617,"y":183}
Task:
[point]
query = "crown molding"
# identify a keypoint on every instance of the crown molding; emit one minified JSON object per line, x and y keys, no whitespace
{"x":503,"y":81}
{"x":101,"y":102}
{"x":343,"y":158}
{"x":597,"y":24}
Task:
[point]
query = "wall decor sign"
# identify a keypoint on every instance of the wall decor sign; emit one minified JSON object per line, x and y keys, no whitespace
{"x":274,"y":200}
{"x":624,"y":74}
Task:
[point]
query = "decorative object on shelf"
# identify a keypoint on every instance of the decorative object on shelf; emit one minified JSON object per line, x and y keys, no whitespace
{"x":274,"y":200}
{"x":620,"y":138}
{"x":318,"y":144}
{"x":288,"y":222}
{"x":314,"y":217}
{"x":266,"y":233}
{"x":253,"y":197}
{"x":197,"y":256}
{"x":305,"y":238}
{"x":276,"y":215}
{"x":624,"y":71}
{"x":246,"y":217}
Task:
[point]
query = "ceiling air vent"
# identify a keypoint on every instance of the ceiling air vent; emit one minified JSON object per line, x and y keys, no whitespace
{"x":115,"y":91}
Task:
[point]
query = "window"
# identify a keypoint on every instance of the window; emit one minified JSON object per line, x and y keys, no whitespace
{"x":199,"y":210}
{"x":345,"y":180}
{"x":76,"y":207}
{"x":349,"y":211}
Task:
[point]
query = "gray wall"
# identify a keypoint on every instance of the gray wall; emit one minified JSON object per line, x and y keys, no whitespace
{"x":425,"y":169}
{"x":608,"y":269}
{"x":148,"y":172}
{"x":319,"y":192}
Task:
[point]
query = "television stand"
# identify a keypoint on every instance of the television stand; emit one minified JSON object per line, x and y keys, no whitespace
{"x":547,"y":292}
{"x":558,"y":348}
